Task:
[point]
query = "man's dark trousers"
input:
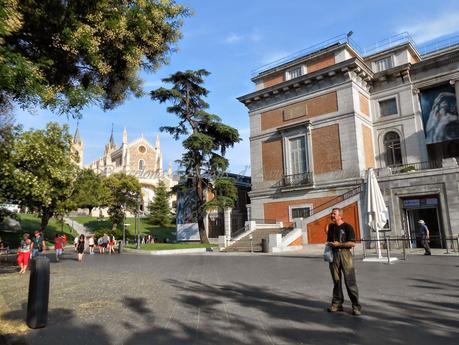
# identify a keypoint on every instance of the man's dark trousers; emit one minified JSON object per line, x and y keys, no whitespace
{"x":343,"y":263}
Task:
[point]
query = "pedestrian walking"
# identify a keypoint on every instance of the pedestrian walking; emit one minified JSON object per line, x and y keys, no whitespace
{"x":425,"y":236}
{"x":38,"y":243}
{"x":91,"y":245}
{"x":100,"y":245}
{"x":58,"y":244}
{"x":341,"y":238}
{"x":80,"y":247}
{"x":75,"y":242}
{"x":24,"y":253}
{"x":112,"y":243}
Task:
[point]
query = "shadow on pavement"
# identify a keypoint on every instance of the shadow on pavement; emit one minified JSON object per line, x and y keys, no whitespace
{"x":294,"y":318}
{"x":60,"y":330}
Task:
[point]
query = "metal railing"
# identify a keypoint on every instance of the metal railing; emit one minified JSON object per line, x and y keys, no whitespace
{"x":340,"y":39}
{"x":436,"y":45}
{"x":409,"y":167}
{"x":402,"y":246}
{"x":297,"y":179}
{"x":336,"y":200}
{"x":389,"y":42}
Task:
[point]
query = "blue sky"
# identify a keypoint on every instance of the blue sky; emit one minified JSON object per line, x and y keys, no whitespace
{"x":232,"y":38}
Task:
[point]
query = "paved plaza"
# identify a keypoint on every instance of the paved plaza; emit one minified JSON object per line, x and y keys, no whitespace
{"x":237,"y":299}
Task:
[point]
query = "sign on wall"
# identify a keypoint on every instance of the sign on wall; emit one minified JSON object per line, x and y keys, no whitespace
{"x":439,"y":114}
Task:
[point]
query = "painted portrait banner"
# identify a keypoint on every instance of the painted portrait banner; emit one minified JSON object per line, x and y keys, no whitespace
{"x":439,"y":114}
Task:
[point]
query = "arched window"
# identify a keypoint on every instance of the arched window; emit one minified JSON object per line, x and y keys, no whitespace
{"x":141,"y":164}
{"x":392,"y":149}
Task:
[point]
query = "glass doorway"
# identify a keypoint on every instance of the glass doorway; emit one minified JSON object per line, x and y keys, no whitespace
{"x":430,"y":215}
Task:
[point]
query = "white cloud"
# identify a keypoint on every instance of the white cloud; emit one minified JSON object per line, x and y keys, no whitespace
{"x":152,"y":83}
{"x":273,"y":56}
{"x":426,"y":30}
{"x":234,"y":38}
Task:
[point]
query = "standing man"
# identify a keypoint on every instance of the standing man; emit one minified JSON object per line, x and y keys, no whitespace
{"x":341,"y":238}
{"x":425,"y":238}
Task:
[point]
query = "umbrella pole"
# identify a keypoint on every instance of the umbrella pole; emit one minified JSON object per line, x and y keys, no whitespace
{"x":378,"y":245}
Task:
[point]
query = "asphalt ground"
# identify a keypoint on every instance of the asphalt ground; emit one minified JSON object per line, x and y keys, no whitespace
{"x":236,"y":299}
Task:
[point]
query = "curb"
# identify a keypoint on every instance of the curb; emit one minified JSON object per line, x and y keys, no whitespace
{"x":169,"y":251}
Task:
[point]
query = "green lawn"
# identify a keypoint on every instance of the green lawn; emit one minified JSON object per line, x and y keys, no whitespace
{"x":168,"y":246}
{"x":160,"y":233}
{"x":30,"y":223}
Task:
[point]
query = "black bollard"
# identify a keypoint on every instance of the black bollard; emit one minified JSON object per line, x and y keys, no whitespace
{"x":37,"y":306}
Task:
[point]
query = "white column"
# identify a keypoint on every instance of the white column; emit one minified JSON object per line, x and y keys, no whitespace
{"x":227,"y":218}
{"x":206,"y":222}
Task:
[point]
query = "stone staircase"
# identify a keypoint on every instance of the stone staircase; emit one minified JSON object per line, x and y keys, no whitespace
{"x":243,"y":244}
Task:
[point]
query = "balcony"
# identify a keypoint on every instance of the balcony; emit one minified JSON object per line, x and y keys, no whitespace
{"x":295,"y":180}
{"x":408,"y":168}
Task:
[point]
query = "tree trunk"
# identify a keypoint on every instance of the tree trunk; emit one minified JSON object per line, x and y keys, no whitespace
{"x":45,"y":216}
{"x":200,"y":201}
{"x":90,"y":211}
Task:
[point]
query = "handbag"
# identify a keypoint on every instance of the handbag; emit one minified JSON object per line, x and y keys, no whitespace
{"x":328,"y":254}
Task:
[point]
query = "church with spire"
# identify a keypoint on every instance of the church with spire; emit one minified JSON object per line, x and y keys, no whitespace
{"x":138,"y":158}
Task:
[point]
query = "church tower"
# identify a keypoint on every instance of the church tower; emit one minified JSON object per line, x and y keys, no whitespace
{"x":77,"y":147}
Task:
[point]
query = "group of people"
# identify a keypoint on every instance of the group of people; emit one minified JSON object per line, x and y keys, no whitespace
{"x":105,"y":244}
{"x":30,"y":248}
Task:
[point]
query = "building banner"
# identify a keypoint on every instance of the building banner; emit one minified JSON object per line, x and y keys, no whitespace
{"x":439,"y":114}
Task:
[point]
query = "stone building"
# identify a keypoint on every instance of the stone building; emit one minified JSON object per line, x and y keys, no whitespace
{"x":139,"y":158}
{"x":321,"y":118}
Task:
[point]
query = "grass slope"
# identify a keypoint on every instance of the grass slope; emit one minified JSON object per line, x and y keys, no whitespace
{"x":30,"y":223}
{"x":159,"y":233}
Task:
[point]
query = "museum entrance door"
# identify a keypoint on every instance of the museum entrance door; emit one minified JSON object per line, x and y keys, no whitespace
{"x":428,"y":210}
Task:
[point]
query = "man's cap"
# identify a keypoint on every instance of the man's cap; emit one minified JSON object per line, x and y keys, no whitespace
{"x":421,"y":221}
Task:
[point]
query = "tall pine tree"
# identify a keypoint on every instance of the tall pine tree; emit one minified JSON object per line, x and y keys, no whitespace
{"x":160,"y":212}
{"x":207,"y":137}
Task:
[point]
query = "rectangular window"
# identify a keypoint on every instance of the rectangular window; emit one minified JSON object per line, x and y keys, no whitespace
{"x":301,"y":212}
{"x":294,"y":73}
{"x":297,"y":155}
{"x":388,"y":107}
{"x":383,"y":64}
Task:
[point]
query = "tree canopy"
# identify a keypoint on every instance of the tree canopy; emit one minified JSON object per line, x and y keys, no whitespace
{"x":39,"y":172}
{"x":125,"y":195}
{"x":67,"y":54}
{"x":206,"y":141}
{"x":89,"y":191}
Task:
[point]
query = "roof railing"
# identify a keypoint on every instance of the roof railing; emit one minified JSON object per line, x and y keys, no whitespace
{"x":340,"y":39}
{"x":393,"y":41}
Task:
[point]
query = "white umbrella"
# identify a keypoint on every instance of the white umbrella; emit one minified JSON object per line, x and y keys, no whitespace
{"x":376,"y":209}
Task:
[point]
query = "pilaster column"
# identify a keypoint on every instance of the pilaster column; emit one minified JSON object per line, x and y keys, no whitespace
{"x":227,"y":218}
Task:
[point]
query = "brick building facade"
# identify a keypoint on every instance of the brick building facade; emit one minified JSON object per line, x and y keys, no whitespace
{"x":320,"y":119}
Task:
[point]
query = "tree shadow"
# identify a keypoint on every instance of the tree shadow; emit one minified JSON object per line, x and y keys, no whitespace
{"x":61,"y":329}
{"x":138,"y":306}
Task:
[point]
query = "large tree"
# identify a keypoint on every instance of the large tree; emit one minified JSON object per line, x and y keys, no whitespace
{"x":89,"y":191}
{"x":160,"y":212}
{"x":68,"y":54}
{"x":125,"y":195}
{"x":207,"y":138}
{"x":39,"y":172}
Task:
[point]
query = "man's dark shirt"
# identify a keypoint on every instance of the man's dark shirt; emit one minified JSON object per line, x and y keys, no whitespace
{"x":340,"y":233}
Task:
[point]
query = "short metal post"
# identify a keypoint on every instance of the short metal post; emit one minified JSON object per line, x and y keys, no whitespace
{"x":363,"y":247}
{"x":387,"y":249}
{"x":404,"y":250}
{"x":251,"y":243}
{"x":447,"y":249}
